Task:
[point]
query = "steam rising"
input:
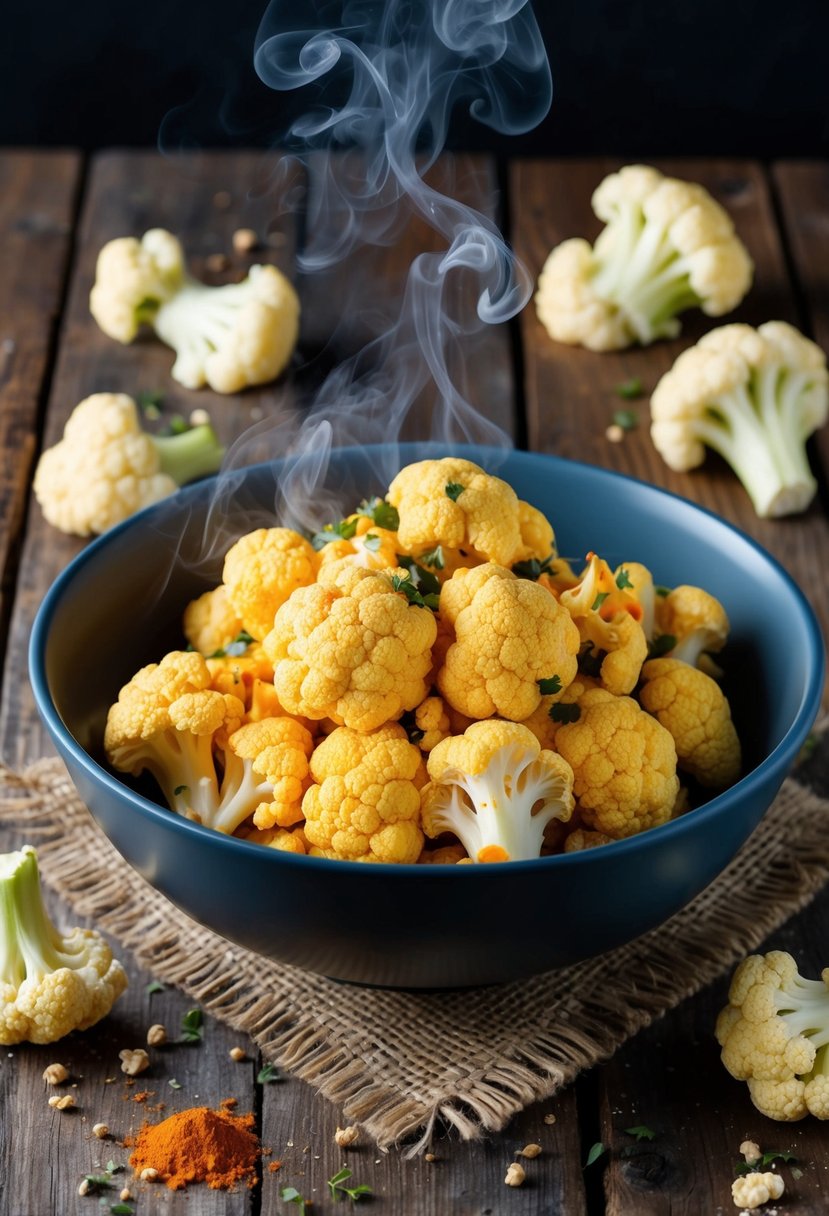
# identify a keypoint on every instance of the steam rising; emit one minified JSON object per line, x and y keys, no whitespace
{"x":384,"y":80}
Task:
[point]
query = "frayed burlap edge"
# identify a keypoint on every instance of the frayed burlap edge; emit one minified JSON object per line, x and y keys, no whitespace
{"x":398,"y":1062}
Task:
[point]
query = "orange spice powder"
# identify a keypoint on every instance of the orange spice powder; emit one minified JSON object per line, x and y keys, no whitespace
{"x":198,"y":1145}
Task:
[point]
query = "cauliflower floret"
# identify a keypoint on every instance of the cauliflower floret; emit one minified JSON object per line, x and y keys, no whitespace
{"x":624,"y":764}
{"x":455,"y":504}
{"x":608,"y":616}
{"x":496,"y":790}
{"x":262,"y":570}
{"x":365,"y":805}
{"x":433,"y":722}
{"x":351,"y":649}
{"x":692,"y":708}
{"x":211,"y":622}
{"x":774,"y":1033}
{"x":278,"y":749}
{"x":754,"y":396}
{"x":50,"y":983}
{"x":691,"y":625}
{"x":667,"y":246}
{"x":228,"y":337}
{"x":753,"y":1190}
{"x":513,"y":644}
{"x":105,"y":468}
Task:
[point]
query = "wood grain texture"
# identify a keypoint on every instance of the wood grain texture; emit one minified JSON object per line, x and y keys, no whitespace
{"x":38,"y":195}
{"x":803,"y":192}
{"x":571,"y":393}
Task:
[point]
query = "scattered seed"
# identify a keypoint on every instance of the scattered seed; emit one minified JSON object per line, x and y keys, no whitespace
{"x":101,"y":1130}
{"x":549,"y":1120}
{"x":109,"y":1080}
{"x":430,"y":1157}
{"x":515,"y":1175}
{"x":237,"y":1054}
{"x":67,"y":1102}
{"x":55,"y":1074}
{"x":149,"y":1174}
{"x":125,"y":1195}
{"x":614,"y":433}
{"x":133,"y":1062}
{"x":199,"y":417}
{"x":344,"y":1136}
{"x":84,"y":1188}
{"x":529,"y":1151}
{"x":217,"y":262}
{"x":156,"y":1035}
{"x":244,"y":240}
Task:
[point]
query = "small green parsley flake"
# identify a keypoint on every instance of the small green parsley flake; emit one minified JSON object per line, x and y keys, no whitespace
{"x":623,"y":579}
{"x":565,"y":713}
{"x":599,"y":600}
{"x":154,"y":986}
{"x":629,"y":390}
{"x":337,"y":1187}
{"x":268,"y":1073}
{"x":174,"y":1084}
{"x":628,"y":420}
{"x":454,"y":489}
{"x":640,"y":1132}
{"x":192,"y":1030}
{"x":549,"y":686}
{"x":661,"y":646}
{"x":181,"y":789}
{"x":597,"y":1150}
{"x":433,"y":557}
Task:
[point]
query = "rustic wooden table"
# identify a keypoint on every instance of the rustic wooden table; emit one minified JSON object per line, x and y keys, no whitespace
{"x":56,"y":210}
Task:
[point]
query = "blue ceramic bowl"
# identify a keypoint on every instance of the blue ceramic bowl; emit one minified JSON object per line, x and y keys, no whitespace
{"x":119,"y":605}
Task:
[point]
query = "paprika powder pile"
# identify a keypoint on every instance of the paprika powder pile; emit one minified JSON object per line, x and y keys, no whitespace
{"x":198,"y":1145}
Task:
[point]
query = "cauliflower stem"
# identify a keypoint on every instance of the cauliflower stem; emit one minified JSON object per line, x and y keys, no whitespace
{"x":194,"y":453}
{"x":30,"y":946}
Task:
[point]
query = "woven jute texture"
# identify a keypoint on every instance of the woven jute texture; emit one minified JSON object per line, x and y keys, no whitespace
{"x":394,"y":1061}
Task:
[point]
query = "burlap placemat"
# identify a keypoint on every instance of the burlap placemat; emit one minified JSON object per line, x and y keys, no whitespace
{"x":396,"y":1062}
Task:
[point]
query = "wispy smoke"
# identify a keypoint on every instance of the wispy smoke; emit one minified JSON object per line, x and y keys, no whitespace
{"x":383,"y":80}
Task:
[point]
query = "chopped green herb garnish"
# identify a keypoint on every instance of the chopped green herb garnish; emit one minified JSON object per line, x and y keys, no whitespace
{"x":181,"y":789}
{"x":454,"y":489}
{"x":381,"y":513}
{"x":291,"y":1195}
{"x":597,"y":1150}
{"x":155,"y":986}
{"x":590,"y":660}
{"x":121,"y":1209}
{"x":623,"y":579}
{"x":640,"y":1132}
{"x":626,"y":419}
{"x":433,"y":557}
{"x":371,"y":542}
{"x":599,"y":600}
{"x":661,"y":646}
{"x":628,"y":390}
{"x":239,"y":645}
{"x":217,"y":654}
{"x":533,"y":568}
{"x":752,"y":1167}
{"x":547,"y":687}
{"x":177,"y":425}
{"x":337,"y":1187}
{"x":565,"y":713}
{"x":346,"y":529}
{"x":192,"y":1029}
{"x":268,"y":1073}
{"x":404,"y":583}
{"x":98,"y":1182}
{"x":661,"y":591}
{"x":150,"y":403}
{"x":425,"y":581}
{"x":796,"y":1172}
{"x":174,"y":1084}
{"x":112,"y":1168}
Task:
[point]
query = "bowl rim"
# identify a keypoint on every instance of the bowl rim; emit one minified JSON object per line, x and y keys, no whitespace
{"x":781,"y":756}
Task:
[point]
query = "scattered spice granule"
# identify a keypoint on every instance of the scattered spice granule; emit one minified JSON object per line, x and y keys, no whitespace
{"x":143,"y":1095}
{"x":229,"y":1103}
{"x":198,"y":1145}
{"x":273,"y":1166}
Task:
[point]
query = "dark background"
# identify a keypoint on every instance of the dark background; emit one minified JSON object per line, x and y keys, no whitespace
{"x":631,"y":77}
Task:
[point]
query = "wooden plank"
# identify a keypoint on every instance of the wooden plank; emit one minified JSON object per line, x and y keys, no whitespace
{"x":358,"y":299}
{"x":464,"y":1179}
{"x":803,"y":191}
{"x":571,"y":393}
{"x":38,"y":192}
{"x":128,"y":193}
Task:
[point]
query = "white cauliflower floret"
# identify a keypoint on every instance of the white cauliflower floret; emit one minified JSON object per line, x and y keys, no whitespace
{"x":229,"y":337}
{"x":106,"y":467}
{"x":754,"y":396}
{"x":50,"y":983}
{"x":753,"y":1190}
{"x":667,"y":246}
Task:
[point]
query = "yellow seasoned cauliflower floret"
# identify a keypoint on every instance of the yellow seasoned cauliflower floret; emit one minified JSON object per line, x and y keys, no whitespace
{"x":278,"y":750}
{"x":211,"y":622}
{"x":608,"y":617}
{"x":624,"y":764}
{"x":692,"y":708}
{"x":365,"y":803}
{"x":352,"y":649}
{"x":262,"y":570}
{"x":513,"y":644}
